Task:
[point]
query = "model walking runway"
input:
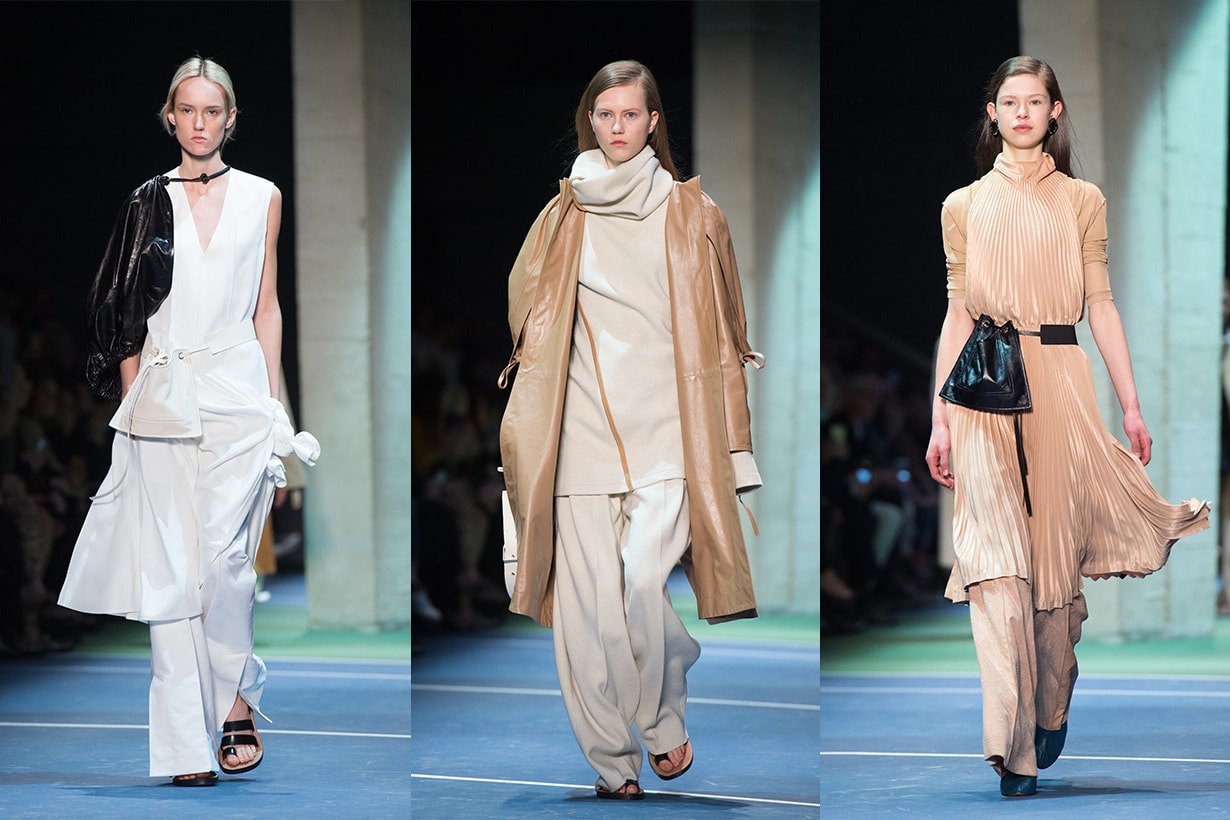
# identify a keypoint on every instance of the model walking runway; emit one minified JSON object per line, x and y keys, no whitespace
{"x":1149,"y":735}
{"x":339,"y":744}
{"x":490,"y":733}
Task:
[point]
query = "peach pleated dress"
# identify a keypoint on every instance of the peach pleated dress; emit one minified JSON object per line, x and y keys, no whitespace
{"x":1027,"y":243}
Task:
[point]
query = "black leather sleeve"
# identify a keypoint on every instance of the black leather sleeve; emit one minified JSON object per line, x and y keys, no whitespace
{"x":132,"y":281}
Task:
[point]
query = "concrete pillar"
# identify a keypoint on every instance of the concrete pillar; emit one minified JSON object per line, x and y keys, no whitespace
{"x":757,"y":150}
{"x":352,"y":163}
{"x":1146,"y":81}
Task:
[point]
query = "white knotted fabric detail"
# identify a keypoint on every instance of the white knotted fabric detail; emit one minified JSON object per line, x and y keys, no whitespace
{"x":287,"y":442}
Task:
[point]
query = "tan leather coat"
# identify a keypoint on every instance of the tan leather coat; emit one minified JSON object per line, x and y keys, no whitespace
{"x":711,"y":348}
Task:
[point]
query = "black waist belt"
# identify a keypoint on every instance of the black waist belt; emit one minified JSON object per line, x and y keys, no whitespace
{"x":1053,"y":334}
{"x":1049,"y":335}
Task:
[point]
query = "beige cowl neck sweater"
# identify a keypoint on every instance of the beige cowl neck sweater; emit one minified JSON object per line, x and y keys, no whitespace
{"x":620,"y":426}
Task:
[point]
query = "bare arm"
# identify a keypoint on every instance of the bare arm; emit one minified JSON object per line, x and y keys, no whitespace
{"x":268,"y":317}
{"x":128,"y":372}
{"x":958,"y":324}
{"x":1112,"y":343}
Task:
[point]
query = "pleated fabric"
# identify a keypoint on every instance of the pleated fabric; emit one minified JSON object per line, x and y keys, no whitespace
{"x":1027,"y":243}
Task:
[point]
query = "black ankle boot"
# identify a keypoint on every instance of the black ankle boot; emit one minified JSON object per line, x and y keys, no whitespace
{"x":1048,"y":743}
{"x":1017,"y":785}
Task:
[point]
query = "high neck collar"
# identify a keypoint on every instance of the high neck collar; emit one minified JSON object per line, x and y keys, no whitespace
{"x":1027,"y":170}
{"x":632,"y":189}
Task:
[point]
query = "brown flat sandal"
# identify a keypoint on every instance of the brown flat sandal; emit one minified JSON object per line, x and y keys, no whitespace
{"x":682,"y":768}
{"x":607,"y":794}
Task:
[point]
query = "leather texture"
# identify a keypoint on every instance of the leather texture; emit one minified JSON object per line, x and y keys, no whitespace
{"x":711,"y":348}
{"x":989,"y":373}
{"x":132,"y":281}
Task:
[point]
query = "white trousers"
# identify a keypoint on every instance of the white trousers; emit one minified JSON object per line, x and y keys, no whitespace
{"x":621,"y":651}
{"x":199,"y":664}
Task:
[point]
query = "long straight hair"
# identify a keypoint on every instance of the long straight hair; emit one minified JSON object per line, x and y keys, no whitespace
{"x":625,"y":72}
{"x":987,"y":146}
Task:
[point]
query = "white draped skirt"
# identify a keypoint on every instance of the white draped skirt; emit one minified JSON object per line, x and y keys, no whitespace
{"x":173,"y":512}
{"x":170,"y":540}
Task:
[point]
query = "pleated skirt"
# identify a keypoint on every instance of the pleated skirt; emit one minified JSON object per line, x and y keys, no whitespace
{"x":1094,"y":511}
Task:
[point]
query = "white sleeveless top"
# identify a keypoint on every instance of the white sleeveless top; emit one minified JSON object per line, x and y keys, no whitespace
{"x":170,"y":510}
{"x":215,"y":287}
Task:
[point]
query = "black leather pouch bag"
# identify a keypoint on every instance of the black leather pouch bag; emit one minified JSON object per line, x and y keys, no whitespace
{"x":989,"y":374}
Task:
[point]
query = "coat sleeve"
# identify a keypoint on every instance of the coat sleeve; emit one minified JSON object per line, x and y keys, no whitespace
{"x":132,"y":281}
{"x":524,"y":277}
{"x":734,"y":349}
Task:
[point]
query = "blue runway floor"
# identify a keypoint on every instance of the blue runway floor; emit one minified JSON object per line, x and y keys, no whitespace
{"x":490,"y":736}
{"x":73,"y":729}
{"x":1138,"y":747}
{"x":492,"y":739}
{"x":75,"y":740}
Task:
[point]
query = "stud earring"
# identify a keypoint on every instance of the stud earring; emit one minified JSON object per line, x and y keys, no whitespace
{"x":1052,"y":126}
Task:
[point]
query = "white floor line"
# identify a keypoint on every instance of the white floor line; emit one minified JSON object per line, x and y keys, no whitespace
{"x":290,"y":673}
{"x":756,"y":704}
{"x":590,"y":787}
{"x":278,"y":659}
{"x":973,"y":675}
{"x":899,"y":690}
{"x":1081,"y":692}
{"x":143,"y":727}
{"x":275,"y":667}
{"x":503,"y":690}
{"x":484,"y":690}
{"x":1065,"y":757}
{"x":803,"y":654}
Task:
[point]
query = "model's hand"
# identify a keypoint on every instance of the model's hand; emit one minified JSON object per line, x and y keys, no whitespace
{"x":1138,"y":435}
{"x":938,"y":450}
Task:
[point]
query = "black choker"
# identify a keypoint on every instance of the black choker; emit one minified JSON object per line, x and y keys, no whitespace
{"x":203,"y":178}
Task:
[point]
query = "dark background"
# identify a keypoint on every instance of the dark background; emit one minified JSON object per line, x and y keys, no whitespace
{"x":495,"y":88}
{"x":901,"y":87}
{"x":84,"y":84}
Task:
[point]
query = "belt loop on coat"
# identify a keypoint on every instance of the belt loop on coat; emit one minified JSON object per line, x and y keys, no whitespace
{"x":750,"y":517}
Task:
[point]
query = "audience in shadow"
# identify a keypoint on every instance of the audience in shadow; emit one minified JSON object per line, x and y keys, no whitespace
{"x":457,"y":529}
{"x":54,"y":451}
{"x":879,"y":508}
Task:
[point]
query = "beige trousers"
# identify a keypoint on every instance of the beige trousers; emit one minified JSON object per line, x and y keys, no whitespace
{"x":1027,"y":661}
{"x":621,"y":650}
